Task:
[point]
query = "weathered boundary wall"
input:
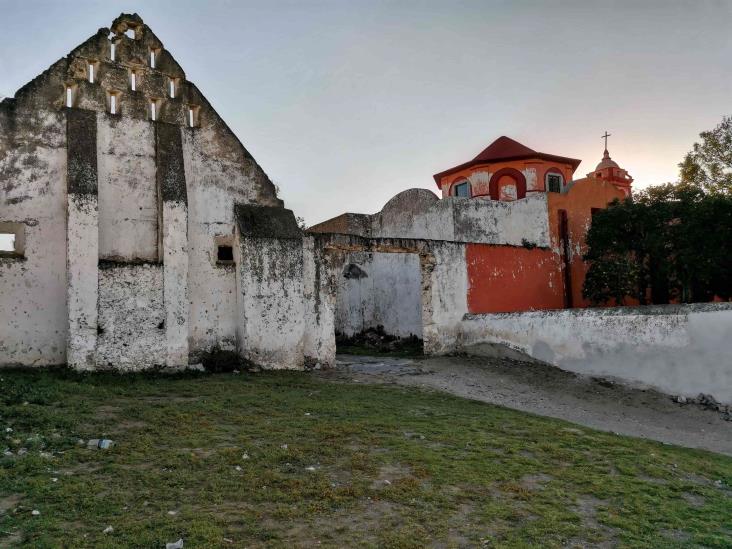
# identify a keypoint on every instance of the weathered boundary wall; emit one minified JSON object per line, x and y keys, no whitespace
{"x":285,"y":291}
{"x":678,"y":349}
{"x":419,"y":214}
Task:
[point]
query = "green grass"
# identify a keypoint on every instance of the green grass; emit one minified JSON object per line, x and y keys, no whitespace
{"x":461,"y":473}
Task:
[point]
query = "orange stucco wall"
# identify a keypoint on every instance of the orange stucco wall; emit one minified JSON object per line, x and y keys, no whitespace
{"x":510,"y":278}
{"x":578,"y":202}
{"x":481,"y":188}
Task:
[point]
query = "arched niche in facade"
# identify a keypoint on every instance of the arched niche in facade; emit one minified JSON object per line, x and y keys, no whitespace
{"x":517,"y":176}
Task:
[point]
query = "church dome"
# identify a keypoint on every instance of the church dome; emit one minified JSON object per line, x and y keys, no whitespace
{"x":606,"y":162}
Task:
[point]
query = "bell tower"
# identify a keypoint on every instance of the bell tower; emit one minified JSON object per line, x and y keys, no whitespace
{"x":609,"y":170}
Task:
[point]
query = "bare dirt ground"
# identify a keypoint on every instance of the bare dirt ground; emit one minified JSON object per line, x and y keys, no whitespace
{"x":548,"y":391}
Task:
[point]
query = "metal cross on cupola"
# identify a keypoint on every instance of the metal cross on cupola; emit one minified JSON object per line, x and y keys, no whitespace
{"x":605,"y":138}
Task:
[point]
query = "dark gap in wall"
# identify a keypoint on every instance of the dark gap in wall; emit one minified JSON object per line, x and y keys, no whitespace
{"x":225,"y":253}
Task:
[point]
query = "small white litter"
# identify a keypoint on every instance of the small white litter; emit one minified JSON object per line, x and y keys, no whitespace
{"x":177,"y":545}
{"x":108,"y":530}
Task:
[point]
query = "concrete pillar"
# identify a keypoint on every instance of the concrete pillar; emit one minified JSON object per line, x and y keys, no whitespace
{"x":82,"y":238}
{"x":444,"y":297}
{"x":173,"y":223}
{"x":319,"y":293}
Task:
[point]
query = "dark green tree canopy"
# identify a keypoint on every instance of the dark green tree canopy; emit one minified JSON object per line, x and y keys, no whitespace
{"x":672,"y":241}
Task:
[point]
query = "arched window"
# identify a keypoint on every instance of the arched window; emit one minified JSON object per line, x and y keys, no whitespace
{"x":461,"y":188}
{"x":554,"y":181}
{"x":507,"y":184}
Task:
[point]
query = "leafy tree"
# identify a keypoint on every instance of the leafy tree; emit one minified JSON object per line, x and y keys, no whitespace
{"x":670,"y":242}
{"x":611,"y":278}
{"x":708,"y":165}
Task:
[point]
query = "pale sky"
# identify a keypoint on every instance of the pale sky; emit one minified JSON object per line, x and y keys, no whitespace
{"x":346,"y":103}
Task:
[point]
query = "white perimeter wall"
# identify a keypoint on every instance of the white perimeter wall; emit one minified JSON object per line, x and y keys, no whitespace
{"x":678,"y":349}
{"x":418,"y":213}
{"x":385,"y":289}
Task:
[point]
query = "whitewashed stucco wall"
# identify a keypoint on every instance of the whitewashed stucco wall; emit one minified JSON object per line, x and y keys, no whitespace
{"x":319,"y":294}
{"x":214,"y":183}
{"x":128,"y":195}
{"x":380,"y":289}
{"x":131,"y":317}
{"x":33,"y":319}
{"x":444,"y":296}
{"x":418,"y":213}
{"x":678,"y":349}
{"x":271,"y":306}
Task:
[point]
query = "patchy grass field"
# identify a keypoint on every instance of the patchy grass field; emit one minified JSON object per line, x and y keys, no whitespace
{"x":284,"y":459}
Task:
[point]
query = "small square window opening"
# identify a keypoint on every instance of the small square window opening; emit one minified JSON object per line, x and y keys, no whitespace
{"x":224,"y":254}
{"x":7,"y":242}
{"x":12,"y":240}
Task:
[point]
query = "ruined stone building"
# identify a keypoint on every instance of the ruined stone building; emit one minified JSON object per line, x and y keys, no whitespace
{"x":122,"y":192}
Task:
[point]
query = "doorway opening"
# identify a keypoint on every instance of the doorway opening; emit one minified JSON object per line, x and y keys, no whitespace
{"x":379,"y":304}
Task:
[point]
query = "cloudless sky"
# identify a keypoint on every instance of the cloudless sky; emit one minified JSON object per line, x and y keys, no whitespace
{"x":346,"y":103}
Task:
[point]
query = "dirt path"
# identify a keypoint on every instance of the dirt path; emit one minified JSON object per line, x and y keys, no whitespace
{"x":549,"y":391}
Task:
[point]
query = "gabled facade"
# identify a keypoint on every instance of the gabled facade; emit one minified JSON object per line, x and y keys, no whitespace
{"x":119,"y":185}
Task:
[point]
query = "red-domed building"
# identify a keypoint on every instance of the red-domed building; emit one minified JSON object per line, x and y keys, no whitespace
{"x":506,"y":171}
